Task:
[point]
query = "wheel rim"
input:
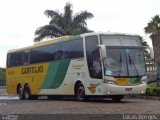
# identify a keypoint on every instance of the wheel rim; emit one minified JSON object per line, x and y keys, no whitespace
{"x":81,"y":93}
{"x":20,"y":92}
{"x":26,"y":93}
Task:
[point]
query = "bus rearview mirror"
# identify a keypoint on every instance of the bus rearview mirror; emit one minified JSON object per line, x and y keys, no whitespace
{"x":103,"y":51}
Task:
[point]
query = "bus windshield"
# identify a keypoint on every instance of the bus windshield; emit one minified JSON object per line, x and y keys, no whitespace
{"x":124,"y":62}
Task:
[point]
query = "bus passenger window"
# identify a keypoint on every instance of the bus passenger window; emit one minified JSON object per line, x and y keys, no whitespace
{"x":26,"y":58}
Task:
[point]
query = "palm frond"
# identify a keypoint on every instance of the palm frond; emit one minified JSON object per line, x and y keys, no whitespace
{"x":81,"y":17}
{"x":42,"y":36}
{"x":52,"y":13}
{"x":80,"y":30}
{"x":63,"y":24}
{"x":58,"y":21}
{"x":156,"y":19}
{"x":153,"y":26}
{"x":47,"y":31}
{"x":68,"y":14}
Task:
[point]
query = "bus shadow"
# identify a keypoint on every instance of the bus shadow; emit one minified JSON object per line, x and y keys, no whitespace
{"x":91,"y":100}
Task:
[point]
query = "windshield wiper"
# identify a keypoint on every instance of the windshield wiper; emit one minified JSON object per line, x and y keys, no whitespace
{"x":120,"y":61}
{"x":132,"y":63}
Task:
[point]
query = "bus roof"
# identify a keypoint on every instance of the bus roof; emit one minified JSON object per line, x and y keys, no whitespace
{"x":108,"y":33}
{"x":45,"y":43}
{"x":66,"y":38}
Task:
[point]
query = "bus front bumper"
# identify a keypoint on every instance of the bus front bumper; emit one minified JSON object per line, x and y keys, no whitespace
{"x":111,"y":89}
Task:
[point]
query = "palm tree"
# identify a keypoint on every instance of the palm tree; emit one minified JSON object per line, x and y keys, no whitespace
{"x":144,"y":43}
{"x":63,"y":23}
{"x":153,"y":29}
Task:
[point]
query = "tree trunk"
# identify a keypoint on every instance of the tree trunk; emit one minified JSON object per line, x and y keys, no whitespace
{"x":156,"y":47}
{"x":158,"y":75}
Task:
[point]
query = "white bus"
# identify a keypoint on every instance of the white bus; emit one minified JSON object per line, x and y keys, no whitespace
{"x":88,"y":65}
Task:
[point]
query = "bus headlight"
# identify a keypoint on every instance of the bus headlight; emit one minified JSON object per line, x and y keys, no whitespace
{"x":110,"y":82}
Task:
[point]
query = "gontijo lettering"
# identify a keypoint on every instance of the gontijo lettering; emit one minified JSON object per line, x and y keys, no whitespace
{"x":31,"y":70}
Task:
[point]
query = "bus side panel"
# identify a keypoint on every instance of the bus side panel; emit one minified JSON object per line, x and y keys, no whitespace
{"x":62,"y":76}
{"x":31,"y":74}
{"x":54,"y":78}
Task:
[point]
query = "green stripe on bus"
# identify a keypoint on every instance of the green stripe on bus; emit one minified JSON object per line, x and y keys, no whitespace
{"x":134,"y":80}
{"x":56,"y":74}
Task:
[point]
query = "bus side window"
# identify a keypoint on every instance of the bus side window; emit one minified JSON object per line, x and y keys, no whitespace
{"x":25,"y":58}
{"x":15,"y":59}
{"x":96,"y":64}
{"x":92,"y":53}
{"x":8,"y":60}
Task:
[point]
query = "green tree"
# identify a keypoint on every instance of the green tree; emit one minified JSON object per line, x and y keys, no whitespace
{"x":2,"y":76}
{"x":63,"y":23}
{"x":146,"y":53}
{"x":153,"y":29}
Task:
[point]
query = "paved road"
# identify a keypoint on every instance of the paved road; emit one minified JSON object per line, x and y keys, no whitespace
{"x":11,"y":105}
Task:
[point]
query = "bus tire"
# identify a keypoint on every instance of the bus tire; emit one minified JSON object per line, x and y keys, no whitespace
{"x":20,"y":92}
{"x":80,"y":92}
{"x":117,"y":98}
{"x":27,"y":92}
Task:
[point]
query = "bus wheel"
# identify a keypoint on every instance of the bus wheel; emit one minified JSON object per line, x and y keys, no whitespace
{"x":80,"y":92}
{"x":117,"y":98}
{"x":20,"y":92}
{"x":27,"y":92}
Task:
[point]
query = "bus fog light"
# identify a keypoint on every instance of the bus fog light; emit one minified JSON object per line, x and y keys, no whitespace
{"x":108,"y":92}
{"x":142,"y":91}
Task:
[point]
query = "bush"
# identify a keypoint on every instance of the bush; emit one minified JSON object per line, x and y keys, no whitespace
{"x":153,"y":91}
{"x":2,"y":76}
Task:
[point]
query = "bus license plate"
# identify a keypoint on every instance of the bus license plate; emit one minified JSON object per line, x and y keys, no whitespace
{"x":128,"y":89}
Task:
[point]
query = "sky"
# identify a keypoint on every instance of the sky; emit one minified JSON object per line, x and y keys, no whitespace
{"x":20,"y":18}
